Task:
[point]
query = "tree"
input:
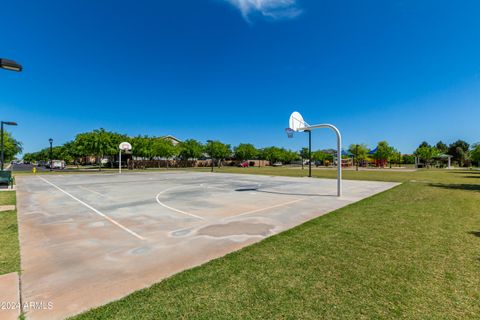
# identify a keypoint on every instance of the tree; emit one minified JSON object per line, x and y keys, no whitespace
{"x":143,"y":147}
{"x":71,"y":152}
{"x":28,"y":157}
{"x":384,"y":152}
{"x":115,"y":140}
{"x":11,"y":147}
{"x":408,"y":159}
{"x":217,"y":150}
{"x":97,"y":143}
{"x":271,"y":154}
{"x":359,"y":151}
{"x":41,"y":155}
{"x":287,"y":156}
{"x":304,"y":154}
{"x":459,"y":151}
{"x":190,"y":149}
{"x":442,"y":147}
{"x":475,"y":153}
{"x":164,"y":148}
{"x":424,"y":144}
{"x":321,"y":156}
{"x":245,"y":151}
{"x":427,"y":154}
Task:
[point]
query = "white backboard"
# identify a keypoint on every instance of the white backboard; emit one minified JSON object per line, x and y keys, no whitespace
{"x":125,"y":146}
{"x":296,"y":121}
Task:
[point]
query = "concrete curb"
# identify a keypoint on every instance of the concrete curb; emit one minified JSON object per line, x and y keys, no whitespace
{"x":7,"y":208}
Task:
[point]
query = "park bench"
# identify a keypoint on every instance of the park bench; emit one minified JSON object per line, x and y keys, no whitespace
{"x":6,"y":178}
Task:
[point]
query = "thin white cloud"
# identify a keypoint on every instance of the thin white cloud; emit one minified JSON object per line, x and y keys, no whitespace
{"x":273,"y":9}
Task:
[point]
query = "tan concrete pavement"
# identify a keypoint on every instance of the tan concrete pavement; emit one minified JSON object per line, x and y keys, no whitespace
{"x":9,"y":297}
{"x":90,"y":239}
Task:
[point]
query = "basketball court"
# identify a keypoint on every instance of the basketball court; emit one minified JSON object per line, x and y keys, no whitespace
{"x":89,"y":239}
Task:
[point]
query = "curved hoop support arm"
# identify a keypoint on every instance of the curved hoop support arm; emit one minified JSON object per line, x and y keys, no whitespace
{"x":339,"y":151}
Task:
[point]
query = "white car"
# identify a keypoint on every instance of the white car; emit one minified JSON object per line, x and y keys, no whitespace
{"x":58,"y":164}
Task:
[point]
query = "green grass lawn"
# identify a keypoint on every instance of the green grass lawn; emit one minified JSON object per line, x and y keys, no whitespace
{"x":410,"y":252}
{"x":10,"y":252}
{"x":386,"y":174}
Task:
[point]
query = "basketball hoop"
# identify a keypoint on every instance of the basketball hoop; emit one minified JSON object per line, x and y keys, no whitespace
{"x":124,"y":146}
{"x":289,"y":132}
{"x":297,"y":124}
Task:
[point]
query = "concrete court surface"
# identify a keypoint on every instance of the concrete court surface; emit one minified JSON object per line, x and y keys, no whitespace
{"x":9,"y":296}
{"x":93,"y":238}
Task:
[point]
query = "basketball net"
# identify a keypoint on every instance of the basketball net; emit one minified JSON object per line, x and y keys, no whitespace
{"x":289,"y":132}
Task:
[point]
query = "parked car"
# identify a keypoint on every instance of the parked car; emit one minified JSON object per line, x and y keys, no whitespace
{"x":244,"y":164}
{"x":277,"y":164}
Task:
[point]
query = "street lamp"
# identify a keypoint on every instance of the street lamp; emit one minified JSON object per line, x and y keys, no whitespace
{"x":211,"y":151}
{"x":10,"y":65}
{"x":51,"y":142}
{"x":8,"y":123}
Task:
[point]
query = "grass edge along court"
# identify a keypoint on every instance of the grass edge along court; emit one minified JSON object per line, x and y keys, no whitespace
{"x":10,"y":252}
{"x":410,"y":252}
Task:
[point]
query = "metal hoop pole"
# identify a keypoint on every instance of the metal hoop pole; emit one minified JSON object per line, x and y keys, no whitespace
{"x":339,"y":151}
{"x":310,"y":153}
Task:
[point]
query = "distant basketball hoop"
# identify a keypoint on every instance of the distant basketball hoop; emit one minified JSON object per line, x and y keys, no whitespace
{"x":124,"y":146}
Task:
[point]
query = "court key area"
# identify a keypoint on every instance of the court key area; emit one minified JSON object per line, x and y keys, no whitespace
{"x":88,"y":239}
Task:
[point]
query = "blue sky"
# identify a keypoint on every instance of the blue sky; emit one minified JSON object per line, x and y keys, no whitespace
{"x":402,"y":71}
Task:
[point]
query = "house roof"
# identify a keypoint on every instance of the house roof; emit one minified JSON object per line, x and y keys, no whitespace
{"x":445,"y":156}
{"x":169,"y":137}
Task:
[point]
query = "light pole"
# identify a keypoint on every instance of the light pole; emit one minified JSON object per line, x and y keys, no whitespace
{"x":51,"y":142}
{"x":12,"y":66}
{"x":8,"y":123}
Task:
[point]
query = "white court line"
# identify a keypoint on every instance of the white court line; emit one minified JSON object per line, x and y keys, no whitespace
{"x":95,"y":210}
{"x":173,"y":209}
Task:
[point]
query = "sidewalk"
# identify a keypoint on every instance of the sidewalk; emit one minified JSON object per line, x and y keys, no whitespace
{"x":9,"y":297}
